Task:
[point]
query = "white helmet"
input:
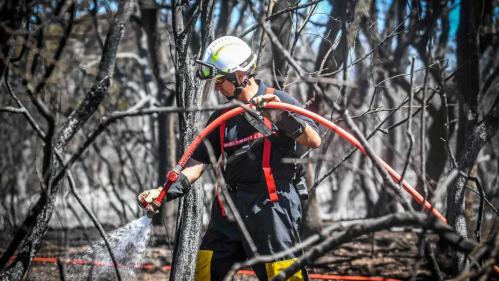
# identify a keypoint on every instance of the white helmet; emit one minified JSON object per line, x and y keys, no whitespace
{"x":224,"y":56}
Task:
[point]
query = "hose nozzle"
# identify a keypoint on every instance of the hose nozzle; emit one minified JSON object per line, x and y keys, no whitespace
{"x":151,"y":210}
{"x":153,"y":207}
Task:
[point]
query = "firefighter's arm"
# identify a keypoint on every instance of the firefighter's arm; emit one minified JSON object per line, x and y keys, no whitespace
{"x":287,"y":123}
{"x":298,"y":129}
{"x":309,"y":138}
{"x":193,"y":171}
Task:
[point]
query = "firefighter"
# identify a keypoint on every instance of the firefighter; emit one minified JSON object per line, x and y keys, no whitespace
{"x":263,"y":187}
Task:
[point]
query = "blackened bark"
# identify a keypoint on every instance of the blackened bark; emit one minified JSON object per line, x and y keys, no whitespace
{"x":437,"y":150}
{"x":149,"y":22}
{"x":366,"y":226}
{"x":113,"y":38}
{"x":12,"y":14}
{"x":455,"y":197}
{"x":311,"y":218}
{"x":189,"y":221}
{"x":487,"y":17}
{"x":333,"y":60}
{"x":371,"y":194}
{"x":36,"y":224}
{"x":207,"y":29}
{"x":225,"y":16}
{"x":467,"y":74}
{"x":327,"y":59}
{"x":330,"y":57}
{"x":282,"y":27}
{"x":436,"y":132}
{"x":470,"y":137}
{"x":347,"y":185}
{"x":78,"y":117}
{"x":386,"y":204}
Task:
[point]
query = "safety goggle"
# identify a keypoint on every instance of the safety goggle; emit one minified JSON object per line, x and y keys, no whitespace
{"x":208,"y":71}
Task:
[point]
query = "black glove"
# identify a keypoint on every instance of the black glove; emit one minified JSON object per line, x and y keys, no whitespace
{"x":178,"y":188}
{"x":289,"y":124}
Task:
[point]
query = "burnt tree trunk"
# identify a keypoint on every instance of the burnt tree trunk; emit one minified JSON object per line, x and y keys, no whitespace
{"x":282,"y":27}
{"x":165,"y":145}
{"x":476,"y":139}
{"x":12,"y":14}
{"x":188,"y":93}
{"x":436,"y":133}
{"x":341,"y":198}
{"x":30,"y":233}
{"x":311,"y":221}
{"x":470,"y":139}
{"x":223,"y":23}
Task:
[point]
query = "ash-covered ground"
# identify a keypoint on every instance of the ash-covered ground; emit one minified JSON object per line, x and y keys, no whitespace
{"x":389,"y":254}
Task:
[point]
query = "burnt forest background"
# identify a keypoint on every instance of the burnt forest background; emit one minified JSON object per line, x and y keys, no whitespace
{"x":99,"y":100}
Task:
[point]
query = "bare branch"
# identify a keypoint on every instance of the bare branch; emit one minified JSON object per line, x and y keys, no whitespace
{"x":371,"y":225}
{"x":276,"y":14}
{"x":12,"y":109}
{"x":113,"y":38}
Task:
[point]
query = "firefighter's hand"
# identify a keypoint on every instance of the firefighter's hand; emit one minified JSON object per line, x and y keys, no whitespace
{"x":147,"y":197}
{"x":260,"y":103}
{"x":262,"y":100}
{"x":286,"y":122}
{"x":177,"y":189}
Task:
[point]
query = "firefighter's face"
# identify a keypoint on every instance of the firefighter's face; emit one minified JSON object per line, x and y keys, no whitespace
{"x":225,"y":87}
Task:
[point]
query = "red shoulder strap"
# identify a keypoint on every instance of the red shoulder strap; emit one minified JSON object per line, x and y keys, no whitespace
{"x":267,"y":170}
{"x":221,"y":133}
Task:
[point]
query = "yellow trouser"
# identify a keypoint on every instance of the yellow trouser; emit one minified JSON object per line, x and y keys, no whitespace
{"x":203,"y":267}
{"x":274,"y":268}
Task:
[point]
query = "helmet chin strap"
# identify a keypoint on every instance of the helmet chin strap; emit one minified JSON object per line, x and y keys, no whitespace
{"x":239,"y":86}
{"x":237,"y":93}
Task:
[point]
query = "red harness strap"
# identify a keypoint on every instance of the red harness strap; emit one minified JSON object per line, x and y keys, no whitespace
{"x":222,"y":138}
{"x":267,"y":170}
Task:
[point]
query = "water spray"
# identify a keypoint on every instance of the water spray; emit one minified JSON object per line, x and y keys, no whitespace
{"x":128,"y":243}
{"x":173,"y":175}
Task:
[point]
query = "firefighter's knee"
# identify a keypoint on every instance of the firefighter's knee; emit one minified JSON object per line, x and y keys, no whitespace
{"x":273,"y":269}
{"x":203,"y":265}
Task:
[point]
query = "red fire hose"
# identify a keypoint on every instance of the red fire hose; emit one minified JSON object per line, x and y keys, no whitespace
{"x":173,"y":175}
